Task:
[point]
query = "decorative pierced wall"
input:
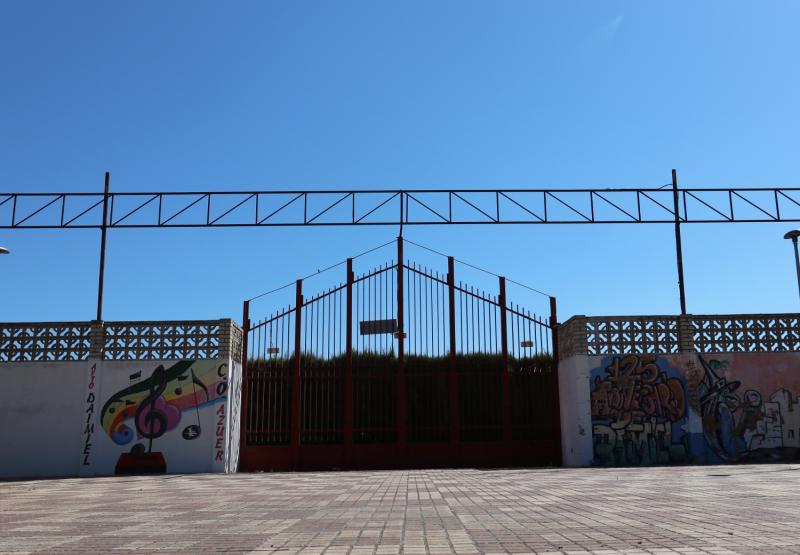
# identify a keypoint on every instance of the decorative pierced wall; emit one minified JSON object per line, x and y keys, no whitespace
{"x":45,"y":341}
{"x":632,"y":334}
{"x":161,"y":340}
{"x":747,"y":333}
{"x":205,"y":339}
{"x":605,"y":335}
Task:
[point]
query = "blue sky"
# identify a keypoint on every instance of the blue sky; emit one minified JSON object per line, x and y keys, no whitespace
{"x":275,"y":95}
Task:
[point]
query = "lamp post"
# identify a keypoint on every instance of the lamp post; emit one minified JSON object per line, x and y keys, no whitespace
{"x":793,"y":235}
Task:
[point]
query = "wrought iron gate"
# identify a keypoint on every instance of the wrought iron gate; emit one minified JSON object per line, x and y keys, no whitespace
{"x":400,"y":367}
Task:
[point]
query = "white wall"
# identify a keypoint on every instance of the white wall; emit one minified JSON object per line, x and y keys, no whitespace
{"x":576,"y":410}
{"x":234,"y":417}
{"x":53,"y":422}
{"x":40,"y":413}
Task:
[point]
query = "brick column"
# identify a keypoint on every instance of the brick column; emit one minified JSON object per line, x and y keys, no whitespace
{"x":229,"y":339}
{"x":97,"y":340}
{"x":686,"y":334}
{"x":572,"y":338}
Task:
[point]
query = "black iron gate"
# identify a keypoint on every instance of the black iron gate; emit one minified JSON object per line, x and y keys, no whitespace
{"x":400,"y":367}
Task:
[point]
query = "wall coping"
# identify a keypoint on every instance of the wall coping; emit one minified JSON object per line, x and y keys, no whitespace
{"x":667,"y":334}
{"x":120,"y":340}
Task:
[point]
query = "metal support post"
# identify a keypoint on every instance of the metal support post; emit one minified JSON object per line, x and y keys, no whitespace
{"x":295,"y":420}
{"x":451,"y":293}
{"x":103,"y":229}
{"x":401,"y":354}
{"x":348,"y":372}
{"x":506,"y":382}
{"x":678,"y":244}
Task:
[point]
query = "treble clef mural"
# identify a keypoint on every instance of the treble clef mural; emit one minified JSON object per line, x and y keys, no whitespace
{"x":151,"y":417}
{"x":150,"y":409}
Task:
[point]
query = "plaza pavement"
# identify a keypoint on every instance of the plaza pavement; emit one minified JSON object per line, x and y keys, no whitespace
{"x":721,"y":509}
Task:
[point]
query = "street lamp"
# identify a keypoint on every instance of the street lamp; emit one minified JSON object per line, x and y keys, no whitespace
{"x":4,"y":250}
{"x":793,"y":235}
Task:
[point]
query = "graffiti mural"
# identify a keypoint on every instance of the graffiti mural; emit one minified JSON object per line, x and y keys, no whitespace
{"x":740,"y":407}
{"x":740,"y":423}
{"x":168,"y":416}
{"x":638,"y":409}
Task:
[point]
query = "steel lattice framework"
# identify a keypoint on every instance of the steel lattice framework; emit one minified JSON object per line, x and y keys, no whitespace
{"x":396,"y":207}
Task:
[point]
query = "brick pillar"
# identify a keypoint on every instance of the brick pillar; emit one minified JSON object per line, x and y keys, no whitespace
{"x":685,"y":334}
{"x":97,"y":340}
{"x":572,"y":338}
{"x":228,"y":339}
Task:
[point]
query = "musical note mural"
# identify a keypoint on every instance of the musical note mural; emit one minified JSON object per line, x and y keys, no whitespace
{"x":161,"y":416}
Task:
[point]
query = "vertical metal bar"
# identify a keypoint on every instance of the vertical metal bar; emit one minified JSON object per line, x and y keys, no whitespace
{"x":639,"y":205}
{"x":450,"y":206}
{"x":103,"y":230}
{"x":348,"y":371}
{"x":544,"y":202}
{"x":451,"y":297}
{"x":796,"y":261}
{"x":401,"y":371}
{"x":678,"y":245}
{"x":259,"y":412}
{"x":401,"y":213}
{"x":556,"y":393}
{"x":245,"y":382}
{"x":462,"y":316}
{"x":730,"y":202}
{"x":295,"y":418}
{"x":506,"y":406}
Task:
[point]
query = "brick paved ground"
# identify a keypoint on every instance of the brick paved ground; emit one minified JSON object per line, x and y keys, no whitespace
{"x":742,"y":509}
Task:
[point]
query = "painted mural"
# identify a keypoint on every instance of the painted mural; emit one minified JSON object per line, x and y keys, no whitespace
{"x":159,"y":417}
{"x":638,"y":412}
{"x":740,"y":407}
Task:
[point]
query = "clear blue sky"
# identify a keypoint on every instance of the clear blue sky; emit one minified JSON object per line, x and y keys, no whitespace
{"x":264,"y":95}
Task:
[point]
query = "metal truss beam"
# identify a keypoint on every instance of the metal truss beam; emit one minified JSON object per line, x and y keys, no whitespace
{"x":395,"y":207}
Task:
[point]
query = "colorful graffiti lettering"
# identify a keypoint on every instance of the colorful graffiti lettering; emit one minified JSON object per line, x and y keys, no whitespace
{"x":635,"y":408}
{"x":686,"y":408}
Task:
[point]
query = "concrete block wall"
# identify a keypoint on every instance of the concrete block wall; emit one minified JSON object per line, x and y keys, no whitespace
{"x":106,"y":407}
{"x":680,"y":390}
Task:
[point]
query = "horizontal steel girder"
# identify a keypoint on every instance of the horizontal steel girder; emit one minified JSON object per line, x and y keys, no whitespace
{"x":395,"y":207}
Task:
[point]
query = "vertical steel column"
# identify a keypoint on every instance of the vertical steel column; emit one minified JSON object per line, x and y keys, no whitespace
{"x":678,"y":245}
{"x":103,"y":229}
{"x":557,"y":416}
{"x":401,"y":354}
{"x":245,"y":415}
{"x":796,"y":259}
{"x":295,"y":422}
{"x":506,"y":407}
{"x":348,"y":372}
{"x":451,"y":293}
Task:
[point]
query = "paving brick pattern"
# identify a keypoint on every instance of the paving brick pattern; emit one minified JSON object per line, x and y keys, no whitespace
{"x":731,"y":509}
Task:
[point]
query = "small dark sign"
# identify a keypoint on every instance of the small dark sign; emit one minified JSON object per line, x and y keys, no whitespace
{"x":376,"y":327}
